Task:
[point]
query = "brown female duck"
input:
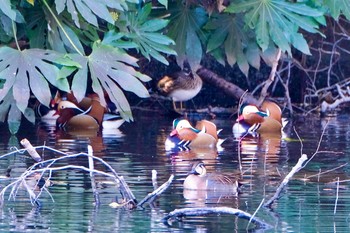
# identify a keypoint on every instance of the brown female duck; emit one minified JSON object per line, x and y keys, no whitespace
{"x":180,"y":86}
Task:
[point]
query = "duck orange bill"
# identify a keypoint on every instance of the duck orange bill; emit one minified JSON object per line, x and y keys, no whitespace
{"x":173,"y":133}
{"x":240,"y":118}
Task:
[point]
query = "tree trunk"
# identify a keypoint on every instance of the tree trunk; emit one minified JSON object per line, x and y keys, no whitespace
{"x":229,"y":88}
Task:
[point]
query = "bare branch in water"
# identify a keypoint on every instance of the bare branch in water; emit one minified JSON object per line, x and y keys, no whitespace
{"x":92,"y":176}
{"x":179,"y":213}
{"x":152,"y":196}
{"x":330,"y":170}
{"x":302,"y":162}
{"x":336,"y":198}
{"x":285,"y":181}
{"x":33,"y":178}
{"x":31,"y":150}
{"x":154,"y":179}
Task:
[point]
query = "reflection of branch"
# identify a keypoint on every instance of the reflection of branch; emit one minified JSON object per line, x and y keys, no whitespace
{"x":215,"y":210}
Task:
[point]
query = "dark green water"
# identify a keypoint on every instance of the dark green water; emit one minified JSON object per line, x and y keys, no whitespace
{"x":307,"y":203}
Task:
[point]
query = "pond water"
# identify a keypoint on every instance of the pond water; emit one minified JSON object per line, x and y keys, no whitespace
{"x":311,"y":202}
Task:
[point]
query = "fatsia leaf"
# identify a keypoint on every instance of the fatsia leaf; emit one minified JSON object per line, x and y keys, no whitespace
{"x":111,"y":70}
{"x":7,"y":10}
{"x":337,"y":7}
{"x":146,"y":33}
{"x":29,"y":70}
{"x":186,"y":24}
{"x":62,"y":38}
{"x":164,"y":3}
{"x":90,"y":9}
{"x":9,"y":109}
{"x":228,"y":30}
{"x":277,"y":21}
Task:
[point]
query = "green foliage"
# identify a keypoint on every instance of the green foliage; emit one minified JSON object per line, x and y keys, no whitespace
{"x":278,"y":21}
{"x":8,"y":107}
{"x":110,"y":68}
{"x":143,"y":32}
{"x":30,"y":71}
{"x":228,"y":34}
{"x":73,"y":41}
{"x":337,"y":7}
{"x":186,"y":30}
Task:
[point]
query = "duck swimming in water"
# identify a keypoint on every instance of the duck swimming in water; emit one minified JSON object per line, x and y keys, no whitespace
{"x":184,"y":135}
{"x":199,"y":179}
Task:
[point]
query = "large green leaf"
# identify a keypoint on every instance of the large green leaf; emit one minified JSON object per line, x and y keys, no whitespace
{"x":29,"y":71}
{"x":145,"y":33}
{"x":13,"y":14}
{"x":61,"y":37}
{"x":229,"y":34}
{"x":90,"y":9}
{"x":337,"y":7}
{"x":185,"y":26}
{"x":36,"y":28}
{"x":111,"y":70}
{"x":278,"y":21}
{"x":9,"y":110}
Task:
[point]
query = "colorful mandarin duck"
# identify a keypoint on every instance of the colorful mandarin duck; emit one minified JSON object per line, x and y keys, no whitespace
{"x":94,"y":117}
{"x":184,"y":135}
{"x":181,"y":86}
{"x":47,"y":113}
{"x":199,"y":179}
{"x":268,"y":119}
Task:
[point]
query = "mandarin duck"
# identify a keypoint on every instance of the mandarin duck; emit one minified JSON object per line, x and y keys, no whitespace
{"x":47,"y":113}
{"x":73,"y":117}
{"x":253,"y":120}
{"x":185,"y":136}
{"x":199,"y":179}
{"x":180,"y":86}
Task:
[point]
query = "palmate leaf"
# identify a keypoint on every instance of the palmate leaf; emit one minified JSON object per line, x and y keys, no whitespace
{"x":278,"y":21}
{"x":145,"y":33}
{"x":57,"y":36}
{"x":13,"y":14}
{"x":111,"y":70}
{"x":29,"y":71}
{"x":229,"y":35}
{"x":186,"y":24}
{"x":337,"y":7}
{"x":9,"y":109}
{"x":91,"y":9}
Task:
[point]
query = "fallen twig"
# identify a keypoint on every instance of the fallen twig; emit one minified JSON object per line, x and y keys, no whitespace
{"x":152,"y":196}
{"x":154,"y":179}
{"x":285,"y":181}
{"x":321,"y":173}
{"x":92,"y":176}
{"x":31,"y":150}
{"x":336,"y":199}
{"x":178,"y":213}
{"x":256,"y":211}
{"x":43,"y":166}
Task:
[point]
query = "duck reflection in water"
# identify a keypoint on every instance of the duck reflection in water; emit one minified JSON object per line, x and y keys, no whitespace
{"x":203,"y":185}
